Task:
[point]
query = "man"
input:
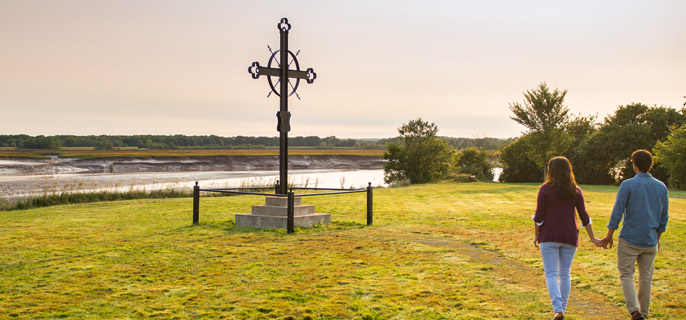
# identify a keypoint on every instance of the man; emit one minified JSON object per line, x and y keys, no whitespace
{"x":642,"y":201}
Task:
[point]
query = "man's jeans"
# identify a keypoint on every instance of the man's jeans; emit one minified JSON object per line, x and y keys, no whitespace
{"x":557,"y":262}
{"x":627,"y":256}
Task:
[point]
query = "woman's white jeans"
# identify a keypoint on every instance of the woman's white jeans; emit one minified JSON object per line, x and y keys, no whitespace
{"x":557,"y":262}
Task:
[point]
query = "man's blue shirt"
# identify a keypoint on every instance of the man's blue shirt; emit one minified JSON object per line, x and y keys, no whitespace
{"x":643,"y":203}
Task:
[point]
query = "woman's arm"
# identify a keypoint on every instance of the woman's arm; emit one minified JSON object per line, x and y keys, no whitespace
{"x":589,"y":230}
{"x":585,"y":218}
{"x":539,"y":216}
{"x":581,"y":208}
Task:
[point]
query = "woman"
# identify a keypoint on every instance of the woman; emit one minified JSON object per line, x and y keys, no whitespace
{"x":557,"y":230}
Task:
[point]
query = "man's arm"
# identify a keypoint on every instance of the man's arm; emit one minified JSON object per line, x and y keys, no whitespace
{"x":619,"y":207}
{"x":664,"y":217}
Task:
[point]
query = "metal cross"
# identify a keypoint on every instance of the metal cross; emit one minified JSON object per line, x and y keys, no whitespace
{"x":284,"y":90}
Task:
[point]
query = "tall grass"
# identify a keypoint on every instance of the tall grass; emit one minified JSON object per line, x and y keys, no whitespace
{"x":86,"y":197}
{"x":51,"y":193}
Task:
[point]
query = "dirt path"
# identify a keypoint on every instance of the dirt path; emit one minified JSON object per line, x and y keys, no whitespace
{"x":582,"y":305}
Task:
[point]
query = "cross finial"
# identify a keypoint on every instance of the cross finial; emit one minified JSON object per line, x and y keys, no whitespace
{"x":310,"y":75}
{"x":254,"y":70}
{"x":284,"y":25}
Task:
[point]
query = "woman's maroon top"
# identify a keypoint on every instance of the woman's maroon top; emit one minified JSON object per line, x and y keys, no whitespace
{"x":557,"y":216}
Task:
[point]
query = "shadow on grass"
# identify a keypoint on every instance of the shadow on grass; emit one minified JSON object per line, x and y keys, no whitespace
{"x":510,"y":188}
{"x":229,"y":227}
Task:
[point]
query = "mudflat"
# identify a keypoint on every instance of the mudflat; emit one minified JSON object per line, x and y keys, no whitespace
{"x":20,"y":178}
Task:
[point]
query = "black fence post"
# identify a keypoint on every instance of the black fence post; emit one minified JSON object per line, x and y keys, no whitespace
{"x":290,"y":225}
{"x":369,"y":204}
{"x":277,"y":187}
{"x":196,"y":203}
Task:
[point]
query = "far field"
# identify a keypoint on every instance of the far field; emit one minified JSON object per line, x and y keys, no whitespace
{"x":435,"y":251}
{"x":143,"y":153}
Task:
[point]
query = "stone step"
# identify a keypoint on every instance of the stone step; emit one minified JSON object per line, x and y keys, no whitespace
{"x":277,"y":222}
{"x":298,"y":210}
{"x":281,"y":201}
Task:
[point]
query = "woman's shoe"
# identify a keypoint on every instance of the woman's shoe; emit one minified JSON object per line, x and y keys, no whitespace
{"x":559,"y":316}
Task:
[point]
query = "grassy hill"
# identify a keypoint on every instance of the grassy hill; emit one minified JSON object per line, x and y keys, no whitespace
{"x":435,"y":251}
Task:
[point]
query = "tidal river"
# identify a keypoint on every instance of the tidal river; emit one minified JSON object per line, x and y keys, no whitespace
{"x":26,"y":178}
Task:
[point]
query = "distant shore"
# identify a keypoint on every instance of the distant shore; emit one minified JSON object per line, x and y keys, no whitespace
{"x":174,"y":161}
{"x":90,"y":153}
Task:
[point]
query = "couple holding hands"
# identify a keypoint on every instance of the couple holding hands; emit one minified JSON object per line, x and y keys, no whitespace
{"x":642,"y":203}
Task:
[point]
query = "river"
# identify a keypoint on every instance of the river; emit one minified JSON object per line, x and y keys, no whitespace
{"x":27,"y":178}
{"x":22,"y":186}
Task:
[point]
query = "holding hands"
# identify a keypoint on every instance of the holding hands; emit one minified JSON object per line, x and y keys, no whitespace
{"x":606,"y":242}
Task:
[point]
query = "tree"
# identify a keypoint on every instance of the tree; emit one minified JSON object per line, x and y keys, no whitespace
{"x":517,"y":167}
{"x":420,"y":156}
{"x":104,"y":145}
{"x":671,"y":154}
{"x":581,"y":129}
{"x":632,"y":127}
{"x":475,"y":161}
{"x":543,"y":114}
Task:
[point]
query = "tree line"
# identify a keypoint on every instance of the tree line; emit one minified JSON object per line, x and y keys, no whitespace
{"x":599,"y":151}
{"x":110,"y":142}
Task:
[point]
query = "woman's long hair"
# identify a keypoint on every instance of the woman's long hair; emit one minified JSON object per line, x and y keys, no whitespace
{"x":560,"y":177}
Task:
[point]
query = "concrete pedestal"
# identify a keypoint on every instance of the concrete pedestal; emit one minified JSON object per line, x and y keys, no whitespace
{"x":274,"y":212}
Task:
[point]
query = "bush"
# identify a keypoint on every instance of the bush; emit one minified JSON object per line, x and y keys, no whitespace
{"x":463,"y":177}
{"x":473,"y":161}
{"x":420,"y":157}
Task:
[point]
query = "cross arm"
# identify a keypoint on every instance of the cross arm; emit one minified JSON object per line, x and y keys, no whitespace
{"x":256,"y":70}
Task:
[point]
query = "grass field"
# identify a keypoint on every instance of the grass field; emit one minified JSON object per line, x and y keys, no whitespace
{"x":138,"y":153}
{"x":435,"y":251}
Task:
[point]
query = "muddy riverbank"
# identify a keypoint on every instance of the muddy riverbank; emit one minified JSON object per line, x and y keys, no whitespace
{"x":22,"y":178}
{"x":57,"y":166}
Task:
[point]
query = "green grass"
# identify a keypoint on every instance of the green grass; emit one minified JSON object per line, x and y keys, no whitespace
{"x":435,"y":251}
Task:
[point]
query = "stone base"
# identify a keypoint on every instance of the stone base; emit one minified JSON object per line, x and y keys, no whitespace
{"x":274,"y":213}
{"x":271,"y":222}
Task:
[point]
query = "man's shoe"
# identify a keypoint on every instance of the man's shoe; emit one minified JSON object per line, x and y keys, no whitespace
{"x":636,"y":315}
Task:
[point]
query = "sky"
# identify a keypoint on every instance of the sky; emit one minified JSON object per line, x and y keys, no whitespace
{"x":123,"y":67}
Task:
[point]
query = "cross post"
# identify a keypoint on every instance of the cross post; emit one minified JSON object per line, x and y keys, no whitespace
{"x":283,"y":115}
{"x":284,"y":75}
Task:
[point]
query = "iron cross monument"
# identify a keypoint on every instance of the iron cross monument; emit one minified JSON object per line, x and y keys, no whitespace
{"x":278,"y":67}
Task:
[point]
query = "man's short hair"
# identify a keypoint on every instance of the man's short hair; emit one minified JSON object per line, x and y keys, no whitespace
{"x":643,"y":160}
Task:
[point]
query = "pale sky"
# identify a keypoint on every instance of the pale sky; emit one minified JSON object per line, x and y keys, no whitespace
{"x":88,"y":67}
